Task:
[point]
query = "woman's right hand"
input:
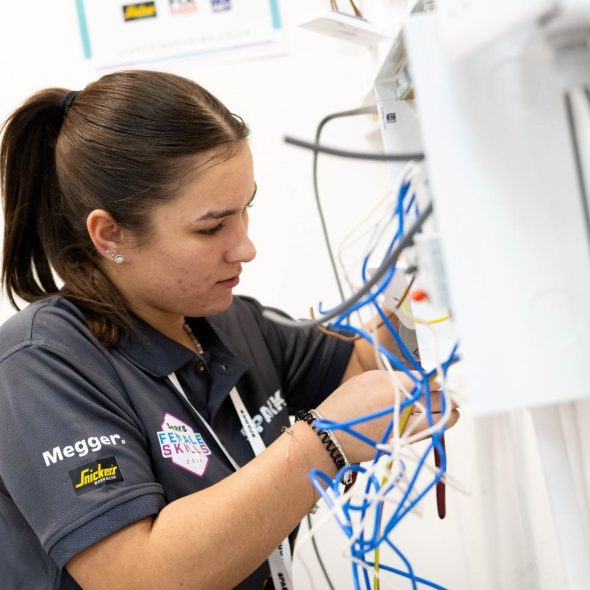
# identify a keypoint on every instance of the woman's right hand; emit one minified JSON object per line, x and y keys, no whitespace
{"x":364,"y":394}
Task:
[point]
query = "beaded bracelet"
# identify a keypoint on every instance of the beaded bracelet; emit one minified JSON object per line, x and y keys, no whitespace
{"x":329,"y":441}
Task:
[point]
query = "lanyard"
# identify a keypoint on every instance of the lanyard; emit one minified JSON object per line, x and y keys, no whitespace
{"x":280,"y":559}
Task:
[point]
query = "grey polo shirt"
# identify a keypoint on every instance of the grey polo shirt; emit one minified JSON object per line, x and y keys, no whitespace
{"x":94,"y":439}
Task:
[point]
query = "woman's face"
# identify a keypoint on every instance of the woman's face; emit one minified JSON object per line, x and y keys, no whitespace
{"x":199,"y":241}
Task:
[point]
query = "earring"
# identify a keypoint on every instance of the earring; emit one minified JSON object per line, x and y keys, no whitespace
{"x":117,"y":258}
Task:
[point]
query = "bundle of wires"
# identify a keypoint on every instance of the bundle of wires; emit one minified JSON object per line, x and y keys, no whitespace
{"x":399,"y":477}
{"x":393,"y":477}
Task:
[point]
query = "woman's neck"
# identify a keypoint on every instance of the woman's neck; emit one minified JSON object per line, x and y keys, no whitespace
{"x":171,"y":326}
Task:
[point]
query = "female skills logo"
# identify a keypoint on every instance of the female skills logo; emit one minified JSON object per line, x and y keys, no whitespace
{"x":185,"y":447}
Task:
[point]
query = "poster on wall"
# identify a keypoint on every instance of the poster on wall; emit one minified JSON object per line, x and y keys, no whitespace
{"x":119,"y":33}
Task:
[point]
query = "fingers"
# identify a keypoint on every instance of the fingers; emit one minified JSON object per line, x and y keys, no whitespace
{"x":418,"y":427}
{"x":435,"y":403}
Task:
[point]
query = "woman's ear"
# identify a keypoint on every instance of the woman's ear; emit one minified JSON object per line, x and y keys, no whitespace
{"x":104,"y":232}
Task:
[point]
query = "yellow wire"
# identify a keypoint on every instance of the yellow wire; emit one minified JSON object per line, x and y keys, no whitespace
{"x":406,"y":309}
{"x":402,"y":422}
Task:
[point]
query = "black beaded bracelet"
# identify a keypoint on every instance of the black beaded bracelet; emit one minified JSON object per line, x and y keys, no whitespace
{"x":328,"y":440}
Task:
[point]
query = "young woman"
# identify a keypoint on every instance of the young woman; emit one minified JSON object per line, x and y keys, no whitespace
{"x":135,"y":385}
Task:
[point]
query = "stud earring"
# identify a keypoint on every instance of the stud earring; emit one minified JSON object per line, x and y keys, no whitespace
{"x":117,"y":258}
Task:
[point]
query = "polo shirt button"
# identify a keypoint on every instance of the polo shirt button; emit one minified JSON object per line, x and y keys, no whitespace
{"x":223,"y":368}
{"x":201,"y":368}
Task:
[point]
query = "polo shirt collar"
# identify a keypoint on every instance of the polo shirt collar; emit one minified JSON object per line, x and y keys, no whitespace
{"x":159,"y":355}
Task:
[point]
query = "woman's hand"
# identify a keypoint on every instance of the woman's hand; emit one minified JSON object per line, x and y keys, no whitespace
{"x":370,"y":392}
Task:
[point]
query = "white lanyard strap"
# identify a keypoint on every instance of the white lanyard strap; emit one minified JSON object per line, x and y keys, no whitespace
{"x":248,"y":425}
{"x":178,"y":386}
{"x":280,"y":559}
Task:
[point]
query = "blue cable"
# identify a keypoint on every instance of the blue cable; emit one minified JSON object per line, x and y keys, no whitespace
{"x":404,"y":559}
{"x":405,"y":575}
{"x":329,"y":488}
{"x":401,"y":344}
{"x":398,"y":212}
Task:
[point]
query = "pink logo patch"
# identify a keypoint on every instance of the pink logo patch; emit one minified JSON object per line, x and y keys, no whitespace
{"x":185,"y":447}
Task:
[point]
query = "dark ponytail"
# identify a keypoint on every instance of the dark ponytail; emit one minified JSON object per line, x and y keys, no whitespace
{"x":126,"y":144}
{"x":29,"y":186}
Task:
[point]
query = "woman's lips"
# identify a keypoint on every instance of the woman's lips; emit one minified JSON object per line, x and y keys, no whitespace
{"x":230,"y":283}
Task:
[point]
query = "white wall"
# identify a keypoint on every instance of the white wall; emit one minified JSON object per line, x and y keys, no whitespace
{"x":40,"y":46}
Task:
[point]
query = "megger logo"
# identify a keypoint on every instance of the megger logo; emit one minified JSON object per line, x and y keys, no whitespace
{"x":96,"y":474}
{"x":81,"y":448}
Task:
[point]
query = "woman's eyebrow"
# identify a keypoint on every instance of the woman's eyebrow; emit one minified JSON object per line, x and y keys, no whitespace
{"x":226,"y":212}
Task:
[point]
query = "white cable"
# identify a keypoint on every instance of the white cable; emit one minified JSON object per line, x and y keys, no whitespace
{"x":399,"y":465}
